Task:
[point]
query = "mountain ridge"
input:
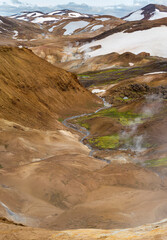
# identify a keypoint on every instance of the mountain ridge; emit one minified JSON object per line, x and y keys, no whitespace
{"x":149,"y":12}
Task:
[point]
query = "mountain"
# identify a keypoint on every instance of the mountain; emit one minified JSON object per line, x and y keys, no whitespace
{"x":120,"y":10}
{"x":68,"y":39}
{"x":11,"y":29}
{"x":149,"y":12}
{"x":67,"y":22}
{"x":40,"y":17}
{"x":55,"y":36}
{"x":149,"y":37}
{"x":132,"y":45}
{"x":36,"y":28}
{"x":32,"y":85}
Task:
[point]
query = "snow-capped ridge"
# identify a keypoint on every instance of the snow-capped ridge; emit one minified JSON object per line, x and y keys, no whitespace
{"x":38,"y":17}
{"x":68,"y":22}
{"x":149,"y":12}
{"x":27,"y":14}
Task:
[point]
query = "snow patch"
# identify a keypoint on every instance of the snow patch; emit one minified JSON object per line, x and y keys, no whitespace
{"x":152,"y":73}
{"x":74,"y":14}
{"x":96,"y":27}
{"x":44,"y":19}
{"x":51,"y":29}
{"x":152,"y":41}
{"x":22,"y":18}
{"x":136,"y":16}
{"x":103,"y":19}
{"x":57,"y":13}
{"x":139,"y":15}
{"x":15,"y":34}
{"x":158,"y":15}
{"x":73,"y":26}
{"x":98,"y":91}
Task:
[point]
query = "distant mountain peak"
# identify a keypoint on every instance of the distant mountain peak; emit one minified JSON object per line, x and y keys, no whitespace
{"x":149,"y":12}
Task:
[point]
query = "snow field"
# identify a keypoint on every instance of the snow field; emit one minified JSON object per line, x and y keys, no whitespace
{"x":73,"y":26}
{"x":152,"y":41}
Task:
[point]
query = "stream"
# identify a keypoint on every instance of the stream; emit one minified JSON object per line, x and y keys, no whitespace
{"x":19,"y":217}
{"x":13,"y":216}
{"x":83,"y":130}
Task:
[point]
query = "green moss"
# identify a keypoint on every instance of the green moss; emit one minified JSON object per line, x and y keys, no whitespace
{"x":83,"y":75}
{"x":60,"y":119}
{"x":148,"y":145}
{"x":157,"y":162}
{"x":82,"y":122}
{"x":108,"y":75}
{"x":125,"y":118}
{"x":105,"y":142}
{"x":95,"y":73}
{"x":85,"y":125}
{"x":125,"y":121}
{"x":113,"y":70}
{"x":1,"y":166}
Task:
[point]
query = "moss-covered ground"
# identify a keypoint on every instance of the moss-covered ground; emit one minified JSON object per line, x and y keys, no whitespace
{"x":115,"y":75}
{"x":105,"y":142}
{"x":126,"y":118}
{"x":157,"y":162}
